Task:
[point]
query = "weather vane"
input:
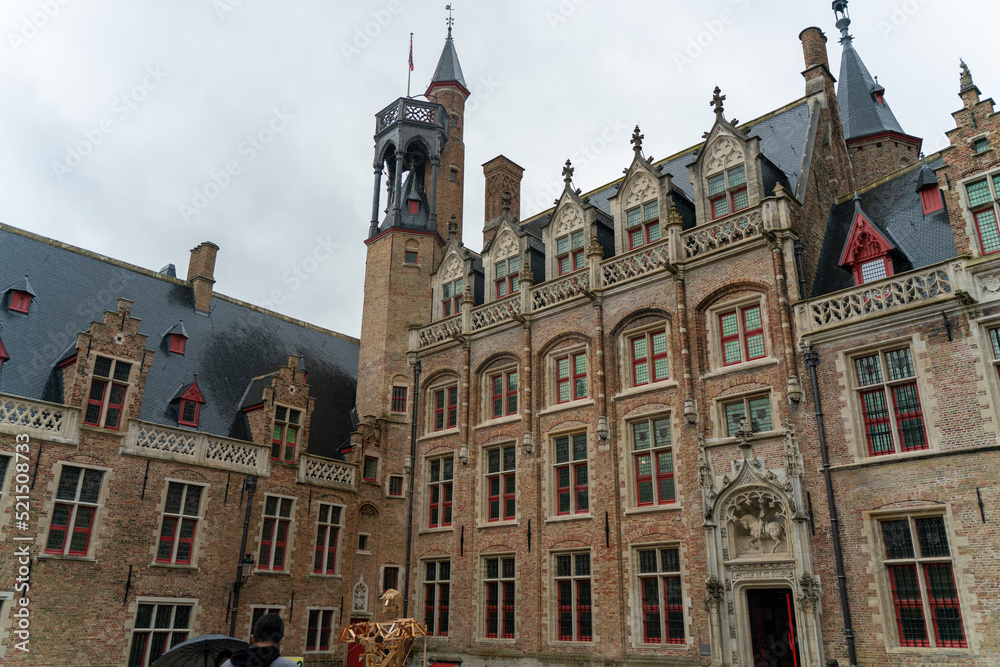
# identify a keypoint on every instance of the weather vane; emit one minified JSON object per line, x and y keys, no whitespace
{"x":450,"y":20}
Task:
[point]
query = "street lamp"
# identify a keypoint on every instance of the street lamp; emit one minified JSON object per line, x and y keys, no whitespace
{"x":244,"y":567}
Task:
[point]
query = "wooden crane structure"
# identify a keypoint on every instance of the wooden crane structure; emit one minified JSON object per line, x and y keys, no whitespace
{"x":386,"y":644}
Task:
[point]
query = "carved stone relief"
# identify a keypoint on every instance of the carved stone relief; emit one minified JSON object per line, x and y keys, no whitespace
{"x":725,"y":153}
{"x":757,"y":522}
{"x":454,"y":269}
{"x":360,"y":602}
{"x":641,"y":188}
{"x":749,"y":571}
{"x":506,"y":246}
{"x":570,"y":218}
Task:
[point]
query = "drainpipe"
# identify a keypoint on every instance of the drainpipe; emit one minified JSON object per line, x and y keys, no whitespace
{"x":413,"y":456}
{"x":812,"y":360}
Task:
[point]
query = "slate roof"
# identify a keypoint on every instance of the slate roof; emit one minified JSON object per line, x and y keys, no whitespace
{"x":894,"y":207}
{"x":783,"y":137}
{"x":860,"y":114}
{"x":227,"y":349}
{"x":448,"y":67}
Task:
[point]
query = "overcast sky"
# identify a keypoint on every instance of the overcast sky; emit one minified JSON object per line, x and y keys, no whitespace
{"x":118,"y":119}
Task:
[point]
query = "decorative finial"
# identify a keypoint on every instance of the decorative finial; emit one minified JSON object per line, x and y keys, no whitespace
{"x":843,"y":20}
{"x":505,"y":201}
{"x":452,"y":227}
{"x":857,"y":200}
{"x":636,"y":141}
{"x":923,"y":159}
{"x":717,"y":100}
{"x":567,"y":172}
{"x":966,"y":80}
{"x":450,"y":20}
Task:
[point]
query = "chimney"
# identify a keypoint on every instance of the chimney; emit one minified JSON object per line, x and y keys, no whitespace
{"x":501,"y":175}
{"x":814,"y":50}
{"x":201,"y":274}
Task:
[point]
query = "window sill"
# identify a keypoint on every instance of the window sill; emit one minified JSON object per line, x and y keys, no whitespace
{"x":438,"y":434}
{"x":642,"y":389}
{"x":927,"y":651}
{"x":866,"y":461}
{"x":509,"y":419}
{"x":273,"y":573}
{"x":571,"y":517}
{"x":433,"y":531}
{"x":670,"y":507}
{"x":319,"y":575}
{"x":82,"y":559}
{"x":741,"y":367}
{"x":175,"y":566}
{"x":569,"y":405}
{"x":498,"y":524}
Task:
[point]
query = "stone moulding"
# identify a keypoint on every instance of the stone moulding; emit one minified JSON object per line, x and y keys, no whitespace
{"x":325,"y":472}
{"x":496,"y":312}
{"x":46,"y":421}
{"x":172,"y":444}
{"x":727,"y":232}
{"x":643,"y":261}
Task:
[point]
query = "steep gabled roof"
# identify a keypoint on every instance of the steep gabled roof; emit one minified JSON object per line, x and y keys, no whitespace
{"x":860,"y":113}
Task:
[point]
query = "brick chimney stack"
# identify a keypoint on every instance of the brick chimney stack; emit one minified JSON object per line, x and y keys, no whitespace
{"x":502,"y":175}
{"x":814,"y":50}
{"x":201,"y":274}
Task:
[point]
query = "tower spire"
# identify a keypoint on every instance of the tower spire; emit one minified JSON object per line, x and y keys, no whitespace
{"x":843,"y":20}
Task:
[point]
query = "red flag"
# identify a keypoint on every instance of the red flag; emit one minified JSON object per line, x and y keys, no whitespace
{"x":411,"y":52}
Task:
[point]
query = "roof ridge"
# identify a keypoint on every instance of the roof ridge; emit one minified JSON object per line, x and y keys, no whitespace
{"x":674,"y":156}
{"x":170,"y":279}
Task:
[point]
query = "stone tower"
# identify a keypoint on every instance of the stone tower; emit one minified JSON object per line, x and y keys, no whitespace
{"x":419,"y":149}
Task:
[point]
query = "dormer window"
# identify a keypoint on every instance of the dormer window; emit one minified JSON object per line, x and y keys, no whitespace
{"x":414,"y":206}
{"x":880,"y":96}
{"x":643,"y":224}
{"x":177,"y":343}
{"x":507,"y":276}
{"x":3,"y":357}
{"x":451,"y":297}
{"x":930,"y":199}
{"x":727,"y":192}
{"x":20,"y":301}
{"x":866,"y":253}
{"x":190,"y":407}
{"x":569,"y":252}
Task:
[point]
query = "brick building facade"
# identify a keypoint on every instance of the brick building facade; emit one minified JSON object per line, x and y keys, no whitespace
{"x":735,"y":408}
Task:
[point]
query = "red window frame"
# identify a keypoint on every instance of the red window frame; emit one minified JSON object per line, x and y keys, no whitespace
{"x":729,"y":196}
{"x":398,"y":399}
{"x":148,"y":644}
{"x":410,"y":256}
{"x":509,"y":281}
{"x":445,"y":414}
{"x":437,"y":597}
{"x":572,"y":377}
{"x":277,"y":522}
{"x":327,"y":539}
{"x":178,"y":343}
{"x":575,"y":597}
{"x":501,"y":484}
{"x":318,"y":630}
{"x":881,"y":410}
{"x":859,"y":276}
{"x":648,"y":360}
{"x":414,"y":206}
{"x":181,"y":418}
{"x":500,"y":611}
{"x":742,"y":334}
{"x":451,"y":300}
{"x":440,"y":492}
{"x":365,"y":474}
{"x":395,"y":486}
{"x":172,"y":529}
{"x":284,"y":440}
{"x":20,"y":301}
{"x":657,"y":611}
{"x":72,"y":515}
{"x":930,"y":199}
{"x":103,"y":388}
{"x":573,"y":254}
{"x":572,"y":477}
{"x":506,"y":397}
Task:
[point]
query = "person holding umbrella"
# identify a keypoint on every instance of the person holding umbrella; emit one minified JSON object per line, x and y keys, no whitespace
{"x":263,"y":652}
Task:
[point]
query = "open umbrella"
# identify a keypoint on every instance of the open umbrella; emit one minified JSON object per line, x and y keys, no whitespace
{"x":199,"y":651}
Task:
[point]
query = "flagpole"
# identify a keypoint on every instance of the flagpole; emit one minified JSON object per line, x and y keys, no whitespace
{"x":409,"y":67}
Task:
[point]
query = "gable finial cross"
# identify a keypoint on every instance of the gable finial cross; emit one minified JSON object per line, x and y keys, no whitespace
{"x":717,"y":100}
{"x":636,"y":140}
{"x":567,"y":172}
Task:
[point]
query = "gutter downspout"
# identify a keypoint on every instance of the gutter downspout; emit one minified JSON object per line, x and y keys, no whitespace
{"x":812,"y":360}
{"x":413,"y":455}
